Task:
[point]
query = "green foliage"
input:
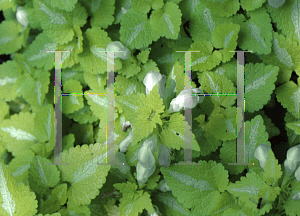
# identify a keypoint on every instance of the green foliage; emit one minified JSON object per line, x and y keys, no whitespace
{"x":150,"y":173}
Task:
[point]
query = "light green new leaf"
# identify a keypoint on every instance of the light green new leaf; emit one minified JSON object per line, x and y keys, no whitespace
{"x":74,"y":46}
{"x":143,"y":56}
{"x":103,"y":13}
{"x":135,"y":31}
{"x":129,"y":86}
{"x":259,"y":85}
{"x":198,"y":186}
{"x":94,"y":58}
{"x":37,"y":55}
{"x":213,"y":83}
{"x":225,"y":36}
{"x":72,"y":103}
{"x":256,"y":34}
{"x":272,"y":171}
{"x":206,"y":59}
{"x":250,"y":5}
{"x":133,"y":201}
{"x":224,"y":123}
{"x":34,"y":88}
{"x":12,"y":36}
{"x":15,"y":199}
{"x":42,"y":176}
{"x":249,"y":189}
{"x":18,"y":132}
{"x":59,"y":24}
{"x":11,"y":79}
{"x":166,"y":22}
{"x":67,"y":5}
{"x":84,"y":173}
{"x":7,"y":4}
{"x":20,"y":164}
{"x":294,"y":126}
{"x":44,"y":127}
{"x":288,"y":95}
{"x":173,"y":133}
{"x":130,"y":67}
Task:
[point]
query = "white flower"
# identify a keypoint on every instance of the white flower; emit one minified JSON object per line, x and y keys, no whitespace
{"x":297,"y":174}
{"x":292,"y":160}
{"x":296,"y":196}
{"x":123,"y":146}
{"x":261,"y":154}
{"x":125,"y":125}
{"x":152,"y":78}
{"x":21,"y":16}
{"x":118,"y":46}
{"x":178,"y":103}
{"x":293,"y":154}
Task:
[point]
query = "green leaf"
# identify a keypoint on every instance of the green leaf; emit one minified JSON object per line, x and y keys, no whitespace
{"x":12,"y":36}
{"x":130,"y":67}
{"x":68,"y":5}
{"x":42,"y":176}
{"x":15,"y":199}
{"x":10,"y":80}
{"x":6,"y":4}
{"x":17,"y":132}
{"x":272,"y":171}
{"x":129,"y":86}
{"x":143,"y":56}
{"x":225,"y":8}
{"x":168,"y":204}
{"x":103,"y":12}
{"x":93,"y":59}
{"x":173,"y":133}
{"x":37,"y":55}
{"x":251,"y":5}
{"x":256,"y":33}
{"x":105,"y":206}
{"x":286,"y":18}
{"x":58,"y":24}
{"x":20,"y":164}
{"x":4,"y":110}
{"x":225,"y":36}
{"x":293,"y":138}
{"x":195,"y":187}
{"x":72,"y":103}
{"x":249,"y":190}
{"x":84,"y":173}
{"x":135,"y":31}
{"x":213,"y":83}
{"x":166,"y":22}
{"x":133,"y":201}
{"x":259,"y":86}
{"x":294,"y":126}
{"x":255,"y":134}
{"x":143,"y":6}
{"x":288,"y":95}
{"x":206,"y":59}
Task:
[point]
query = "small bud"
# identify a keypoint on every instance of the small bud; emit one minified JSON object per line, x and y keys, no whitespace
{"x":21,"y":16}
{"x":163,"y":186}
{"x":293,"y":154}
{"x":296,"y":196}
{"x":125,"y":125}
